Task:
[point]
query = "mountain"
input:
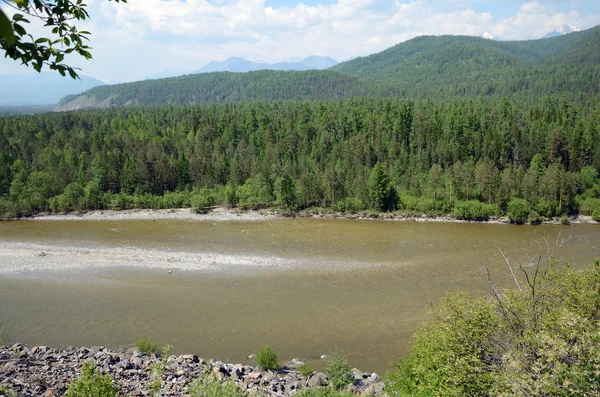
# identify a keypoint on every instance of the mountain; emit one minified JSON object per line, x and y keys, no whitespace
{"x":240,"y":65}
{"x":471,"y":66}
{"x":426,"y":66}
{"x":219,"y":87}
{"x":562,"y":30}
{"x":41,"y":88}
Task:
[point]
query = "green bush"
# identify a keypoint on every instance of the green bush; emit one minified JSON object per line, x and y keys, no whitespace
{"x":350,"y":204}
{"x":209,"y":386}
{"x":322,"y":392}
{"x":534,"y":218}
{"x":121,"y":201}
{"x":565,"y":220}
{"x":176,"y":200}
{"x":539,"y":342}
{"x":518,"y":210}
{"x":4,"y":336}
{"x":546,"y":208}
{"x":339,"y":372}
{"x":146,"y":345}
{"x":255,"y":192}
{"x":92,"y":383}
{"x":596,"y":215}
{"x":305,"y":370}
{"x":266,"y":358}
{"x":202,"y":199}
{"x":589,"y":205}
{"x":5,"y":391}
{"x":474,"y":210}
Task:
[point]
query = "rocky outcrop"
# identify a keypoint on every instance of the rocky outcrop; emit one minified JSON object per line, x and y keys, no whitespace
{"x":47,"y":372}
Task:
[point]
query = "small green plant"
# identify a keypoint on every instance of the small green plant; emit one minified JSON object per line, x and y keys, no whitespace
{"x":564,"y":220}
{"x":157,"y":371}
{"x":209,"y":386}
{"x":92,"y":383}
{"x":146,"y":345}
{"x":339,"y":372}
{"x":596,"y":215}
{"x":5,"y":391}
{"x":305,"y":370}
{"x":4,"y":336}
{"x":321,"y":392}
{"x":266,"y":358}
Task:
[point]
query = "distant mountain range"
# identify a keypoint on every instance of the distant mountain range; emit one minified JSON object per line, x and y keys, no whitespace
{"x":239,"y":64}
{"x":41,"y":88}
{"x":426,"y":66}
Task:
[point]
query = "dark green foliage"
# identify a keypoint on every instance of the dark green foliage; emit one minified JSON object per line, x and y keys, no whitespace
{"x":338,"y":372}
{"x":448,"y":66}
{"x":565,"y":220}
{"x":382,"y":196}
{"x":266,"y":358}
{"x":263,"y":85}
{"x":92,"y":383}
{"x":596,"y":215}
{"x":474,"y":210}
{"x":146,"y":345}
{"x":534,"y":218}
{"x":518,"y":210}
{"x":542,"y":341}
{"x":434,"y":153}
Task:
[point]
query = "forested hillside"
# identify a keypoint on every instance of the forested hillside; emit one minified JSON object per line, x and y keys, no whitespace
{"x":223,"y":87}
{"x":383,"y":154}
{"x":427,"y":66}
{"x":467,"y":66}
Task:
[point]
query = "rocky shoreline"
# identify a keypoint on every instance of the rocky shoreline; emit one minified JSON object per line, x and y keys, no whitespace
{"x":225,"y":214}
{"x":47,"y":372}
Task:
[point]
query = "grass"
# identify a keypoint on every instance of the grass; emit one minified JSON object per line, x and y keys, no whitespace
{"x":146,"y":345}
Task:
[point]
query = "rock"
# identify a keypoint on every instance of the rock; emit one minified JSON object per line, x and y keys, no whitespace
{"x":374,"y":378}
{"x":317,"y":379}
{"x":324,"y":356}
{"x":190,"y":357}
{"x":49,"y":393}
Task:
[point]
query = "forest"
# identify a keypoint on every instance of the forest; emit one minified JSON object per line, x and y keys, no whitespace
{"x":440,"y":67}
{"x":473,"y":158}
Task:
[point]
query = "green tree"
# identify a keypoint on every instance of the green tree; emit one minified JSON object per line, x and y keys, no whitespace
{"x":57,"y":15}
{"x":382,"y":196}
{"x":286,"y":191}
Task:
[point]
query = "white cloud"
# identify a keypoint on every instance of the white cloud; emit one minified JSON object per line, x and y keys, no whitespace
{"x":144,"y":37}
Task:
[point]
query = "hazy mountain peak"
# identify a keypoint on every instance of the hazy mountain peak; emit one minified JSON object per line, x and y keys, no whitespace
{"x":562,"y":30}
{"x":247,"y":64}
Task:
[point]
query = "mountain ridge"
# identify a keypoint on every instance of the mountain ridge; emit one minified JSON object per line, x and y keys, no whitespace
{"x":248,"y":64}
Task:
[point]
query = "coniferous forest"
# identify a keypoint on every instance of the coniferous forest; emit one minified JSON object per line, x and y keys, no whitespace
{"x":474,"y":158}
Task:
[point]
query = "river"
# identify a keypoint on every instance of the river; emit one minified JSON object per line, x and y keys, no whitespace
{"x":221,"y":290}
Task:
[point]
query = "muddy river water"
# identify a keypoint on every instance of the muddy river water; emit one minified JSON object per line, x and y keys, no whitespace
{"x":221,"y":290}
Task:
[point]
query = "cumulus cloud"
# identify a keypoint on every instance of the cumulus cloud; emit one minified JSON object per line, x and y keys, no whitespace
{"x":144,"y":37}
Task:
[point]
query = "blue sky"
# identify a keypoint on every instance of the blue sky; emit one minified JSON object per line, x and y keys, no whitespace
{"x":147,"y":37}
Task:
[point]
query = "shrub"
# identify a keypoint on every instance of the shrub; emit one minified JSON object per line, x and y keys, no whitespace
{"x":267,"y":358}
{"x":339,"y":372}
{"x":255,"y":192}
{"x":146,"y":345}
{"x":209,"y":386}
{"x":202,"y":199}
{"x":518,"y":210}
{"x":92,"y":383}
{"x":588,"y":206}
{"x":534,"y":218}
{"x":175,"y":200}
{"x":350,"y":204}
{"x":565,"y":220}
{"x":305,"y":370}
{"x":545,"y":208}
{"x":4,"y":336}
{"x":322,"y":392}
{"x":542,"y":341}
{"x":474,"y":210}
{"x":121,"y":201}
{"x":596,"y":215}
{"x":5,"y":391}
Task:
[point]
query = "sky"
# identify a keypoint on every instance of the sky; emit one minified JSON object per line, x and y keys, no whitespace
{"x":146,"y":38}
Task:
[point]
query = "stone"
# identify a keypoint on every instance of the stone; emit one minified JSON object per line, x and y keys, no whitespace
{"x":317,"y":379}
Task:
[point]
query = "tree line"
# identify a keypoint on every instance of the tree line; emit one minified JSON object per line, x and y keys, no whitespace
{"x":467,"y":157}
